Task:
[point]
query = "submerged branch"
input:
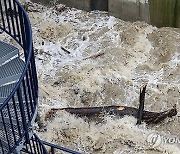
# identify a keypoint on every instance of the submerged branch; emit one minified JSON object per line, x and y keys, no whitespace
{"x":94,"y":56}
{"x":141,"y":104}
{"x":119,"y":111}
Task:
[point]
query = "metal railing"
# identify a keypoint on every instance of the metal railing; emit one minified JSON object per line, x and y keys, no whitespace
{"x":37,"y":146}
{"x":18,"y":111}
{"x":54,"y":148}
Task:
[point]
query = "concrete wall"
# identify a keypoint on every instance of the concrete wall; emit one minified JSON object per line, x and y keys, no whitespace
{"x":45,"y":2}
{"x":129,"y":10}
{"x":157,"y":12}
{"x":87,"y":5}
{"x":101,"y":5}
{"x":79,"y":4}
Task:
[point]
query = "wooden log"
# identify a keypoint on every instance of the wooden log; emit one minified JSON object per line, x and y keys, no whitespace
{"x":94,"y":56}
{"x":119,"y":111}
{"x":65,"y":50}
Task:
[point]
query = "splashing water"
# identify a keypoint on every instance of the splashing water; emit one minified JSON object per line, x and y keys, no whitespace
{"x":133,"y":54}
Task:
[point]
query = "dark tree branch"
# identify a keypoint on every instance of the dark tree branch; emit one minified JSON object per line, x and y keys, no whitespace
{"x":119,"y":111}
{"x":65,"y":50}
{"x":141,"y":104}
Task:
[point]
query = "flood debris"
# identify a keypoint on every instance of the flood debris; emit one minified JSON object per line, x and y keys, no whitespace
{"x":141,"y":104}
{"x":94,"y":56}
{"x":65,"y":50}
{"x":59,"y":8}
{"x":118,"y":111}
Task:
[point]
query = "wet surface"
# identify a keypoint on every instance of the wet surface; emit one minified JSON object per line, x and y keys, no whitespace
{"x":108,"y":60}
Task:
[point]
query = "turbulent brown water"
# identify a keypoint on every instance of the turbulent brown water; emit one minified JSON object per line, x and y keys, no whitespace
{"x":133,"y":54}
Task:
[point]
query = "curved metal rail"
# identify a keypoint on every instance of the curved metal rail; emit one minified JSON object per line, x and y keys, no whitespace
{"x":19,"y":112}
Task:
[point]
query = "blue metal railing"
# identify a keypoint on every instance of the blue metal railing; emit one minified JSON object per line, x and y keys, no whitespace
{"x":54,"y":147}
{"x":35,"y":145}
{"x":18,"y":111}
{"x":40,"y":147}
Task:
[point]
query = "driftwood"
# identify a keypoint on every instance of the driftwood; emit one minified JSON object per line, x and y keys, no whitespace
{"x":119,"y":111}
{"x":65,"y":50}
{"x":141,"y":104}
{"x":94,"y":56}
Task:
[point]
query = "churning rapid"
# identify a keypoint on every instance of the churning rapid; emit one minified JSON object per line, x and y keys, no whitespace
{"x":92,"y":59}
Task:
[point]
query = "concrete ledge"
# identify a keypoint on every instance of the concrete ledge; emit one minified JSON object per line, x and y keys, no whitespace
{"x":79,"y":4}
{"x":157,"y":12}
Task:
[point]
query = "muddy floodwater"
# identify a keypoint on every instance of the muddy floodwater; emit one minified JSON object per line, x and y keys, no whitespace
{"x":91,"y":59}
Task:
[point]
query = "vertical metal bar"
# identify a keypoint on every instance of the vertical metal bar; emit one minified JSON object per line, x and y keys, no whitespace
{"x":16,"y":117}
{"x":30,"y":147}
{"x":37,"y":145}
{"x":27,"y":149}
{"x":11,"y":15}
{"x":34,"y":72}
{"x":52,"y":150}
{"x":29,"y":90}
{"x":26,"y":99}
{"x":33,"y":76}
{"x":6,"y":133}
{"x":41,"y":149}
{"x":32,"y":86}
{"x":17,"y":25}
{"x":1,"y":146}
{"x":19,"y":93}
{"x":34,"y":147}
{"x":22,"y":25}
{"x":7,"y":17}
{"x":12,"y":126}
{"x":41,"y":144}
{"x":2,"y":15}
{"x":27,"y":32}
